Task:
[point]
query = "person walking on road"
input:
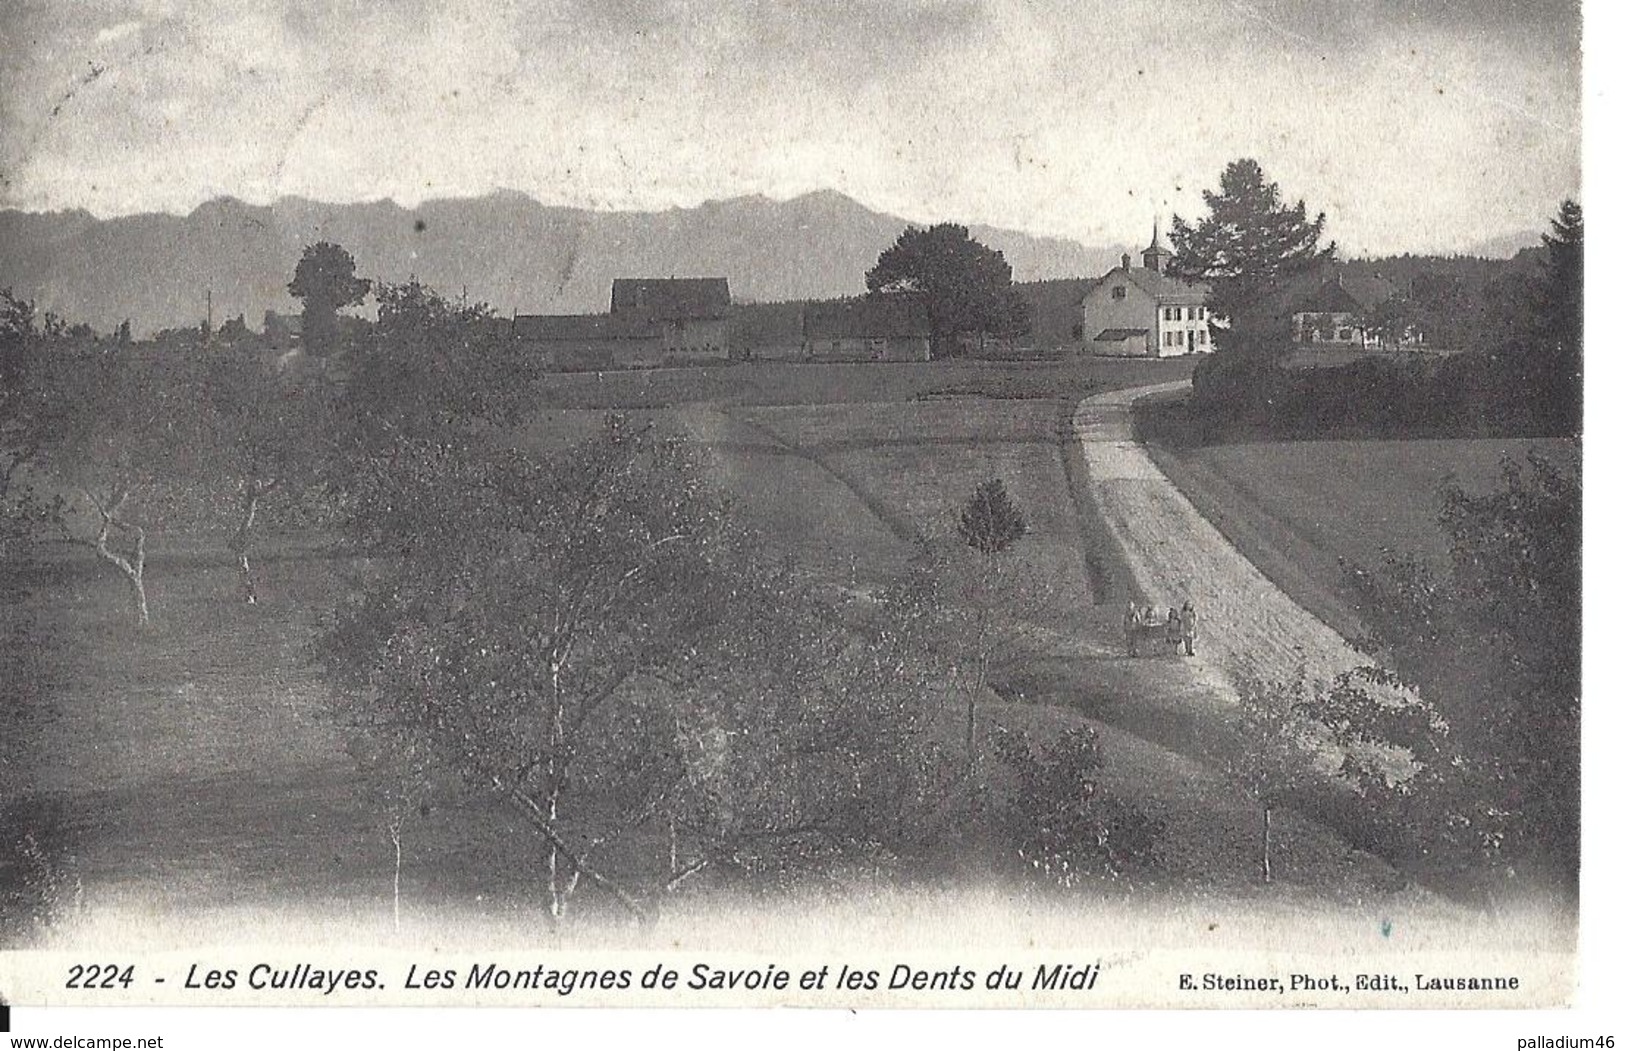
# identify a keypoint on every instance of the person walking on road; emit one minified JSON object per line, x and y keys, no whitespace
{"x":1187,"y":628}
{"x":1131,"y":630}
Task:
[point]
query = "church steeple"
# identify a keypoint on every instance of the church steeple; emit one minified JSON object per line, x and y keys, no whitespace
{"x":1156,"y":257}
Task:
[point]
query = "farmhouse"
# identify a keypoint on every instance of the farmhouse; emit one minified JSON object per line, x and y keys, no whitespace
{"x":651,"y":321}
{"x":1143,"y":311}
{"x":868,"y":328}
{"x":1336,"y":309}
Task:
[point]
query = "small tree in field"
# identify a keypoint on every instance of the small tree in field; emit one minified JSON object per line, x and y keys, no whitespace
{"x":989,"y":524}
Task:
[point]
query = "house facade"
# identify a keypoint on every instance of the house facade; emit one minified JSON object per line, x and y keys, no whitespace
{"x":1145,"y":312}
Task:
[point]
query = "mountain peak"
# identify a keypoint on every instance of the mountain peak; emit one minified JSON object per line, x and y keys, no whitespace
{"x":505,"y":247}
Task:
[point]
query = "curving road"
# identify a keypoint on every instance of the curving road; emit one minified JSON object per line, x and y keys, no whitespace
{"x":1249,"y":627}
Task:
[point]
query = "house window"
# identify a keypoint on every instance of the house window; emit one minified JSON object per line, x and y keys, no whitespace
{"x":1118,"y":292}
{"x":1201,"y":337}
{"x":1179,"y":338}
{"x":1179,"y":314}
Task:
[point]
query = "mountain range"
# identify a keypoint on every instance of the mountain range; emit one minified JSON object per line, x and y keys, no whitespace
{"x":504,"y":248}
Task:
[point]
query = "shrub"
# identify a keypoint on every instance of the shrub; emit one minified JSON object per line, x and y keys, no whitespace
{"x":1059,"y":824}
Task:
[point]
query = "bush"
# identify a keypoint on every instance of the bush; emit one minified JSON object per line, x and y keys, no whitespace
{"x":1059,"y":825}
{"x":1246,"y":397}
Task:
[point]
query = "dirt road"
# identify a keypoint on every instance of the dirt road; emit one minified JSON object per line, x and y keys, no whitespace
{"x":1248,"y":626}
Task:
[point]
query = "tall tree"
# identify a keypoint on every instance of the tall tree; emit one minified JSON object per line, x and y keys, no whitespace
{"x":1560,"y":315}
{"x":964,"y":284}
{"x":1247,"y":247}
{"x":325,"y":280}
{"x":1562,"y":289}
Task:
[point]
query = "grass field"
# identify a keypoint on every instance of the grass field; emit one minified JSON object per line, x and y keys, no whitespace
{"x":784,"y":383}
{"x":189,"y":766}
{"x":1300,"y":510}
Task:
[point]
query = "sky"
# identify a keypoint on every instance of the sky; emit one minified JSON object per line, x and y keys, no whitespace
{"x":1413,"y":124}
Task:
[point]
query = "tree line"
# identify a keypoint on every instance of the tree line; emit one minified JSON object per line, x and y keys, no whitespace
{"x":1520,"y":337}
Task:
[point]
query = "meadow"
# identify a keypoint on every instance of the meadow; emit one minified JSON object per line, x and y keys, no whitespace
{"x":1305,"y":512}
{"x":192,"y":766}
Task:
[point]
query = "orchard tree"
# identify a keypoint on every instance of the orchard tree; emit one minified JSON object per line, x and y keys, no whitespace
{"x":964,"y":285}
{"x":590,"y":638}
{"x":1270,"y":757}
{"x":131,"y":427}
{"x":272,"y":434}
{"x":432,"y":364}
{"x":325,"y":280}
{"x":29,"y":418}
{"x":1246,"y":248}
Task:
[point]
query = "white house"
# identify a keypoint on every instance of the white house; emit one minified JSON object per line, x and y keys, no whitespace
{"x":1144,"y":312}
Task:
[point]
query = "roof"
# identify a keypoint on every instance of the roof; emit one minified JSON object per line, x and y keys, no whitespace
{"x":1347,"y":291}
{"x":767,"y":324}
{"x":892,"y":316}
{"x":1167,"y":291}
{"x":670,"y":298}
{"x":1117,"y":335}
{"x":577,"y":328}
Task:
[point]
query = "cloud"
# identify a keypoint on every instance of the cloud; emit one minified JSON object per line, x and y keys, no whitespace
{"x":1080,"y":118}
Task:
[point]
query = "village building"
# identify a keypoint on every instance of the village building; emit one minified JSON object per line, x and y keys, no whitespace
{"x":651,"y":322}
{"x":1337,"y":308}
{"x":868,"y":328}
{"x":1144,"y":311}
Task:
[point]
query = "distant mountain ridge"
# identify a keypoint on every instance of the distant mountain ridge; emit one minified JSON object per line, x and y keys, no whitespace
{"x":503,"y":248}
